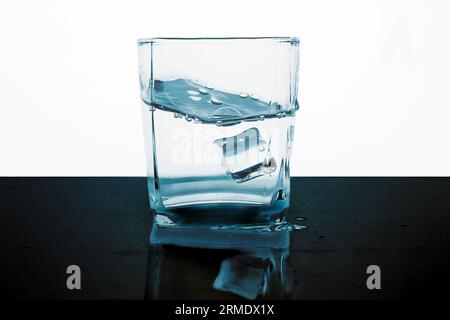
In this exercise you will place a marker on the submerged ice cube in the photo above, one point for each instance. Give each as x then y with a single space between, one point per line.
266 167
246 155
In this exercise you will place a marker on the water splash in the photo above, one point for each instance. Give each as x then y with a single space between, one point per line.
183 96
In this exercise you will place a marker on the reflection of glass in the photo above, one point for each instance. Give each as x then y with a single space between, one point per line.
187 273
219 124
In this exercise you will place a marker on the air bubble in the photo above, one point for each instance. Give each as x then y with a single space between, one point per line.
243 95
219 123
188 118
196 120
177 115
216 101
226 112
261 118
281 114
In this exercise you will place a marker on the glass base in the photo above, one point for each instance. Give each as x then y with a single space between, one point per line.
216 237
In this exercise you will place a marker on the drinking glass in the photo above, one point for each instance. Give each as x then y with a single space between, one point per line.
218 118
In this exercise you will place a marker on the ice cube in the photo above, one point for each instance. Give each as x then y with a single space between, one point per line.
244 275
246 155
266 167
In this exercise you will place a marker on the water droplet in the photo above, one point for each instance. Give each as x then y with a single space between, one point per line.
254 97
195 98
210 87
188 118
196 120
193 93
281 114
243 95
202 91
177 115
298 227
261 118
219 123
216 101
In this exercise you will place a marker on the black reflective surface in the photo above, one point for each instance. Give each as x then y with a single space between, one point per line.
103 224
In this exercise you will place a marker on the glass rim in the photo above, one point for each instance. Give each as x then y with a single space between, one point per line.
142 41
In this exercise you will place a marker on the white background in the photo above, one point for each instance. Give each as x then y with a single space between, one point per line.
374 81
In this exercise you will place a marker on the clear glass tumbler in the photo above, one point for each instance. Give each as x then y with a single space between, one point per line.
219 123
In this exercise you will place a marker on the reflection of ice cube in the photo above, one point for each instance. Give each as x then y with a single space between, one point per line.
246 156
244 275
